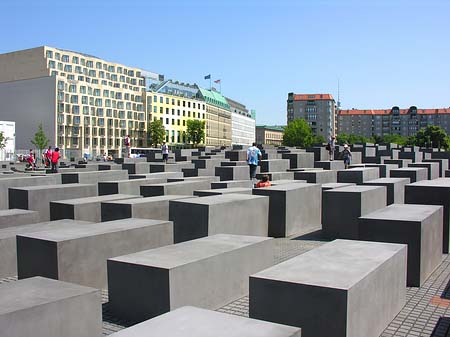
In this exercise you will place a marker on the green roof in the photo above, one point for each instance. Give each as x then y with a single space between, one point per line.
214 98
271 127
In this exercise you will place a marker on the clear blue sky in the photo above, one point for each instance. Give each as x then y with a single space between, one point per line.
384 52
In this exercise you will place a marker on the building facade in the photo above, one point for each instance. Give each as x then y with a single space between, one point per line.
404 122
242 124
319 111
85 104
8 129
271 135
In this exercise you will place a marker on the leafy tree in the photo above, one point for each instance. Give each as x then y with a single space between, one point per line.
397 139
344 138
195 131
40 140
298 133
3 140
319 139
431 136
157 132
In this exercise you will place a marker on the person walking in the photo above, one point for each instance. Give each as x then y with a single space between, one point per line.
48 156
165 151
30 160
346 156
55 159
330 147
126 142
253 156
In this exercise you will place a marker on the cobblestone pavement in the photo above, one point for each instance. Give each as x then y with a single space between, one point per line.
426 313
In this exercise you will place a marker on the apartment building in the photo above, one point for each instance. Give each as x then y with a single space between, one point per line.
8 129
85 104
319 111
242 124
269 134
404 122
174 103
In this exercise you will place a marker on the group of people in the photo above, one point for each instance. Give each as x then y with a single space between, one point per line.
345 155
52 158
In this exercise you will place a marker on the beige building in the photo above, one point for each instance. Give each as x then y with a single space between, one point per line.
85 104
272 135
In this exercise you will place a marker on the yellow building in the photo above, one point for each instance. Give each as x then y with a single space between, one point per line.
86 104
266 134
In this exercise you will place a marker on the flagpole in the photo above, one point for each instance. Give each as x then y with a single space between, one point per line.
210 86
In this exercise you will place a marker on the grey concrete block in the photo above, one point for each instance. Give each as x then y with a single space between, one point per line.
443 165
146 208
192 321
286 181
320 153
228 213
273 176
232 172
330 186
384 168
128 186
41 307
395 188
22 181
415 156
400 162
432 169
413 173
17 217
293 208
169 167
233 163
358 175
38 198
156 175
341 289
220 191
93 177
210 179
176 188
317 176
432 192
208 273
342 207
246 183
136 168
299 159
418 226
236 155
79 254
8 258
87 209
330 165
274 165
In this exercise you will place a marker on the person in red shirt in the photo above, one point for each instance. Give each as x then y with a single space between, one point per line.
30 160
265 182
48 156
55 159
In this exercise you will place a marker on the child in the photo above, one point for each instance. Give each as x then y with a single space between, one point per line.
55 159
264 182
346 155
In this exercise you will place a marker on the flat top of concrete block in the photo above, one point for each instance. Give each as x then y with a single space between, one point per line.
286 181
403 212
71 233
409 169
287 187
174 183
330 186
180 254
150 199
440 182
35 291
387 181
196 322
15 211
226 190
88 200
48 187
355 189
41 226
220 199
316 171
339 264
107 172
360 169
229 181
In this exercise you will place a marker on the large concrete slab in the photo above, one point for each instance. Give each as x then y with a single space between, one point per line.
317 176
192 321
136 168
418 226
233 172
170 167
413 173
358 175
273 176
400 162
443 165
219 191
145 208
341 289
330 165
79 254
342 207
93 177
208 273
128 186
299 159
384 168
156 175
432 169
41 307
87 209
246 183
432 192
227 213
274 165
38 198
293 208
395 188
176 188
8 258
17 217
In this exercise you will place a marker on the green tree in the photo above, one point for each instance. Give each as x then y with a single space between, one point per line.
431 136
40 140
397 139
319 139
157 132
2 140
344 138
298 133
195 131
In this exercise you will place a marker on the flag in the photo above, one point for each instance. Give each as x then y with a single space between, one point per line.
217 81
208 77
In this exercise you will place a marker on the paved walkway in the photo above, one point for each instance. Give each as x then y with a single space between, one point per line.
426 313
